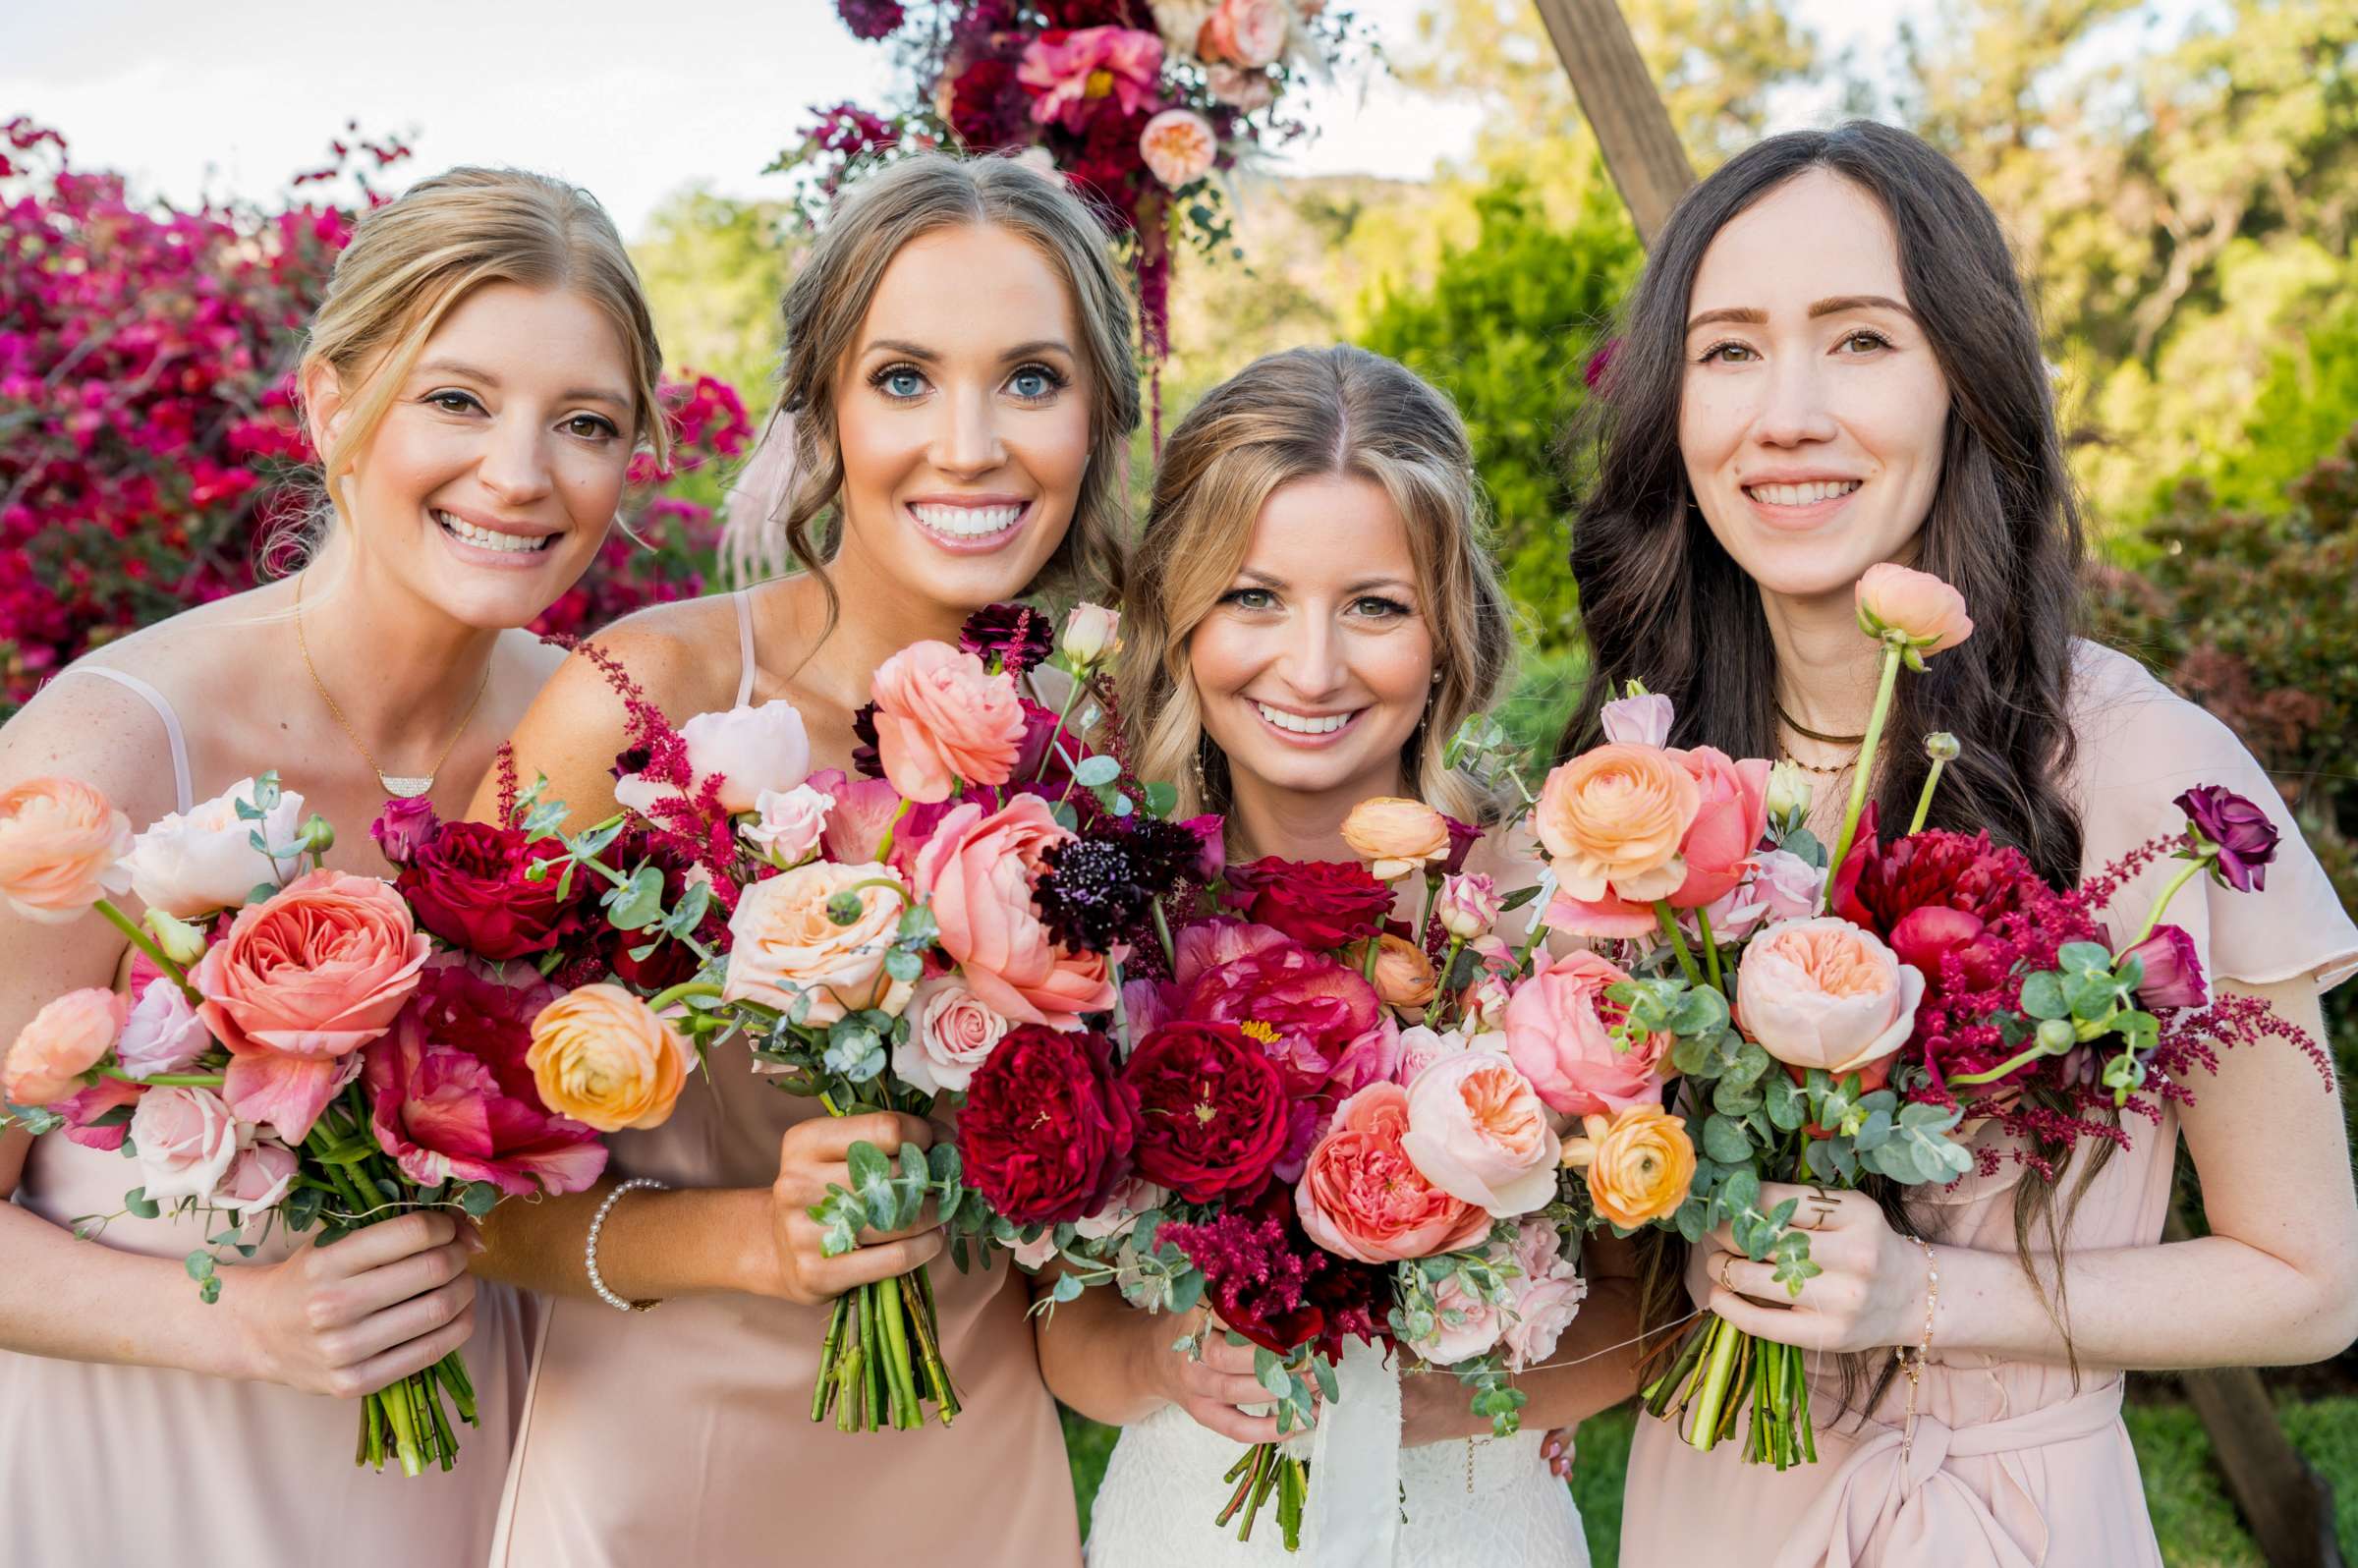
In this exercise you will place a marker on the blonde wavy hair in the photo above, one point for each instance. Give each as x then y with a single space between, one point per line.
1302 415
414 259
793 511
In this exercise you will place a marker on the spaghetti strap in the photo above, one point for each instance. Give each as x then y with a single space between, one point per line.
745 648
163 711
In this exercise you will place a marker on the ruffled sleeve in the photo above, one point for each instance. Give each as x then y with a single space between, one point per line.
2139 746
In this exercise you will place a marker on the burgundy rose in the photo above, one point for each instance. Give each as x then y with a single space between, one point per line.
466 886
1047 1127
2245 837
1463 836
2173 969
404 827
450 1095
870 20
1212 1111
1318 1020
1931 932
1879 883
1321 904
989 108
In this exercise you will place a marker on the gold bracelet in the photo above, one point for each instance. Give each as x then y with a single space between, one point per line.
1915 1369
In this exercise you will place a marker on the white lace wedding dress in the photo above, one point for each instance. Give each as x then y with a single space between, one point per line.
1467 1503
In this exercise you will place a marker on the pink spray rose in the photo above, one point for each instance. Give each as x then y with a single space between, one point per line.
1360 1197
1643 720
788 824
258 1179
1559 1032
162 1034
62 1041
1821 992
185 1138
1544 1301
942 718
299 983
1727 827
1477 1130
1468 904
950 1035
1463 1326
977 873
1782 887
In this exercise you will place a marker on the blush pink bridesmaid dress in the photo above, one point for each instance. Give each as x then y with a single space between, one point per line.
123 1465
683 1434
2011 1465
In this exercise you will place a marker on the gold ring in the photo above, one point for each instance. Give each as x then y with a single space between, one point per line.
1727 1260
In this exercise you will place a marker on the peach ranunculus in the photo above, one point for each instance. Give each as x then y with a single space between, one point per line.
942 717
1919 606
185 1138
1179 146
194 861
1640 1164
784 946
62 845
1728 823
302 982
1404 976
1478 1131
1398 836
1559 1032
602 1056
62 1041
1823 992
976 872
1360 1197
1611 821
950 1036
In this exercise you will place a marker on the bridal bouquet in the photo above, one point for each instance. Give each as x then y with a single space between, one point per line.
954 912
305 1047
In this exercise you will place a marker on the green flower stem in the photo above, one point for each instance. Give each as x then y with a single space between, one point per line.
1890 683
145 943
1678 941
1924 801
681 992
1433 890
1991 1075
166 1079
828 1350
1711 950
1163 933
2187 873
884 844
1711 1406
1056 731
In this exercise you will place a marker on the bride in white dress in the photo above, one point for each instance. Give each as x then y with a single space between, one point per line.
1311 613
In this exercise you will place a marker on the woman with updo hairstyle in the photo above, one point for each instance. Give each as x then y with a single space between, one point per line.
474 382
959 393
1830 363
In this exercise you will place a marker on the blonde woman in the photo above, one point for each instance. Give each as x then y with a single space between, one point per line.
960 391
476 379
1312 612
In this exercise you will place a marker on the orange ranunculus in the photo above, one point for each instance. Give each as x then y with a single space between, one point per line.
1612 819
1640 1164
785 946
64 1040
1398 836
61 844
602 1056
1918 605
1404 976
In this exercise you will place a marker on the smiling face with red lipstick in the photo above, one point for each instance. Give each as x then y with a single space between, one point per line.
1814 411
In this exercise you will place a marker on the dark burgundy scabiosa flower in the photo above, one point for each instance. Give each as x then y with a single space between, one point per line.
1319 903
1213 1110
867 760
1011 636
2245 838
1091 895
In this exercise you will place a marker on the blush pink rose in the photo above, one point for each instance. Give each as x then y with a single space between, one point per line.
950 1035
976 872
942 718
1727 827
201 860
1823 992
1917 604
162 1034
788 824
1468 904
1360 1197
1782 887
258 1179
62 1041
1559 1032
749 749
62 845
1541 1303
1463 1326
1641 721
1178 147
786 950
186 1138
863 809
302 982
1478 1131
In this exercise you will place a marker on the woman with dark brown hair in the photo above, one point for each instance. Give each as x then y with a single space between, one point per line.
1830 363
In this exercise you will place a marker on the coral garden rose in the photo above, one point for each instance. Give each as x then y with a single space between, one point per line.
1047 1127
601 1056
300 981
950 1033
1319 903
976 872
941 718
162 1034
191 863
785 946
1559 1032
62 1041
186 1138
1821 992
1362 1198
1478 1131
61 849
1730 820
1398 836
1612 819
1213 1110
1917 605
1640 1164
1178 147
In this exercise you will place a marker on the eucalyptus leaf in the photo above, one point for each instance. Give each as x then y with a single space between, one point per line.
1094 771
139 1204
2043 995
1724 1140
1783 1100
1162 798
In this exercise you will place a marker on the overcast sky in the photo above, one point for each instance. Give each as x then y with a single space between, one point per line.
631 100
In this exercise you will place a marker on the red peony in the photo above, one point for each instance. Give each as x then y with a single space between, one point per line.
1212 1111
466 886
1321 904
451 1097
1047 1127
1879 883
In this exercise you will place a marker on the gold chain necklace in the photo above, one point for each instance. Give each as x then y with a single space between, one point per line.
400 785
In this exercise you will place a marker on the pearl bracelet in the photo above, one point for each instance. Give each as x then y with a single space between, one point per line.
589 1248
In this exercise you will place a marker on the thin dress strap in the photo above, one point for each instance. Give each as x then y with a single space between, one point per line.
163 711
745 648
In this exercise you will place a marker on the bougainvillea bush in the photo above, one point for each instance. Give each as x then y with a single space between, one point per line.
150 455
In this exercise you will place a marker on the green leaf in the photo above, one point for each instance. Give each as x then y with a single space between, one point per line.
1724 1140
139 1204
1274 1378
199 1266
1734 1097
871 1170
689 913
1518 898
1065 816
638 904
1094 771
1067 1287
1162 798
2043 995
903 965
478 1199
1783 1100
2086 958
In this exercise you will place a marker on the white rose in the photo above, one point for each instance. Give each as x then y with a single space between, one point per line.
789 824
161 1034
950 1035
204 859
185 1138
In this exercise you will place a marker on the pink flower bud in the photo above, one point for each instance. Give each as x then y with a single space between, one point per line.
1468 904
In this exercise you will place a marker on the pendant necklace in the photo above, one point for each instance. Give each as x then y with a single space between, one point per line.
401 786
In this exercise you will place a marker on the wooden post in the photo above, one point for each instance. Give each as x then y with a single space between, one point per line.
1618 96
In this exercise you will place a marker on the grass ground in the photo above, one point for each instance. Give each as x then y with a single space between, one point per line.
2197 1524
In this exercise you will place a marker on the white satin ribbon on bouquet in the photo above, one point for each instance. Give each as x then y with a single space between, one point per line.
1353 1520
